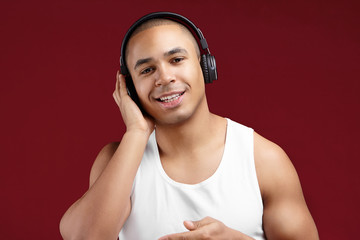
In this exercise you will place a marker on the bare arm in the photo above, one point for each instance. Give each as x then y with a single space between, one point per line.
101 212
286 215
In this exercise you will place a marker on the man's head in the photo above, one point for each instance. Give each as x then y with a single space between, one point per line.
208 63
163 58
161 22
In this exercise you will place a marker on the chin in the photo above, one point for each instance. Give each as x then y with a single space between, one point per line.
173 118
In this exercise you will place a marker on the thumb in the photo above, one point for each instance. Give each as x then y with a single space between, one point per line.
191 225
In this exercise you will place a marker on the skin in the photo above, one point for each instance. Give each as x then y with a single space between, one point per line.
180 128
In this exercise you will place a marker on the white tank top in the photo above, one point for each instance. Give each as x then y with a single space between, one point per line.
231 194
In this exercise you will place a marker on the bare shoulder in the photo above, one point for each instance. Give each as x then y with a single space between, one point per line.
268 154
266 150
273 167
286 215
102 160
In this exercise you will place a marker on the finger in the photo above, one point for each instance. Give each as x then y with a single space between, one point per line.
116 94
117 80
122 86
192 225
185 236
116 98
189 225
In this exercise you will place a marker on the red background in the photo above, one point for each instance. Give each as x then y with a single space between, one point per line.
289 69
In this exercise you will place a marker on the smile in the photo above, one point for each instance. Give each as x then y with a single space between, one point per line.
170 98
171 101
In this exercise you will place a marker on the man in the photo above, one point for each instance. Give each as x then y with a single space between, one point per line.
180 171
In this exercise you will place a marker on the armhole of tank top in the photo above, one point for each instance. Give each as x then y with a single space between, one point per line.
253 166
134 183
133 186
150 144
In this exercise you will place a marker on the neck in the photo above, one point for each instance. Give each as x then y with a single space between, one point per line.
189 135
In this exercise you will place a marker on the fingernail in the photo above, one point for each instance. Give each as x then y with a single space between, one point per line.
189 223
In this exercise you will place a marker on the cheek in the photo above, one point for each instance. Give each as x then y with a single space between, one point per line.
197 75
192 71
142 88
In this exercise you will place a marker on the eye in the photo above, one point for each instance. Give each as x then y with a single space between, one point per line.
146 70
177 59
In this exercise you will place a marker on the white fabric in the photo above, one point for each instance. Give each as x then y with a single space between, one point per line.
231 194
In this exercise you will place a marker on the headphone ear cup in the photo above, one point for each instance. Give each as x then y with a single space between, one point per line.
211 68
132 91
204 67
208 66
123 69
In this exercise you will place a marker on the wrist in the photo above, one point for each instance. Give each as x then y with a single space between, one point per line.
236 235
138 132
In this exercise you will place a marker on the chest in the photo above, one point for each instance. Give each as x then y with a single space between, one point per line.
227 191
193 168
160 204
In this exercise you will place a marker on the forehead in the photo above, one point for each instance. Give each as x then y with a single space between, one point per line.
157 40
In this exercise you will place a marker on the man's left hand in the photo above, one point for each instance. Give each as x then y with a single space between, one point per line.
206 228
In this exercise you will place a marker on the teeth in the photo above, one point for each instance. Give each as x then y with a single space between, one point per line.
170 98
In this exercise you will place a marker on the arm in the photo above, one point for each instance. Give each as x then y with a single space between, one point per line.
101 212
286 215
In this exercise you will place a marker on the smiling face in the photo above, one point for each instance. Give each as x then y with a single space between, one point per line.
164 64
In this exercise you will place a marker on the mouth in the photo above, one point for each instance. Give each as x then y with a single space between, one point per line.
170 98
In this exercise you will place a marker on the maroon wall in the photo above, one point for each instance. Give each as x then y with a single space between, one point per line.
289 69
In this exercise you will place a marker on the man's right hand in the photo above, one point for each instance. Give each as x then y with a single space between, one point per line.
130 112
111 178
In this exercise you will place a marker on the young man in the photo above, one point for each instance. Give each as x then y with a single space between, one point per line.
180 171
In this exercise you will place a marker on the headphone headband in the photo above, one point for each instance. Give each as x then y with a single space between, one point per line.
165 15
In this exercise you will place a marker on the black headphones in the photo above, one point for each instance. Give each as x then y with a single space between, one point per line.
208 64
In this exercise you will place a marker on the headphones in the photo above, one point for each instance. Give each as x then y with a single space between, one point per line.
207 61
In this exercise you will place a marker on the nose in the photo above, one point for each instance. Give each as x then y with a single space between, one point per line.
164 76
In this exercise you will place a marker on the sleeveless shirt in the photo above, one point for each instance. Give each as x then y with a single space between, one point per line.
159 205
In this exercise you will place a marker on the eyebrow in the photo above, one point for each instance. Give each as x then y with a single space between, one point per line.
175 50
142 61
166 54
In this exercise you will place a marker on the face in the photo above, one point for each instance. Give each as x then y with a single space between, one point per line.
166 72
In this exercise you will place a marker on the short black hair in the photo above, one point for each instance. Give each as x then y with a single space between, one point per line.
160 22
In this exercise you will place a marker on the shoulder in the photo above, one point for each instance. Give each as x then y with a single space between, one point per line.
286 215
102 160
273 167
267 152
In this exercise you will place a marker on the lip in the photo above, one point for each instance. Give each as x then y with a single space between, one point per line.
173 103
169 94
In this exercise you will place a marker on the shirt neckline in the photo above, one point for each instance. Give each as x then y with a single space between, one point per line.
212 178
